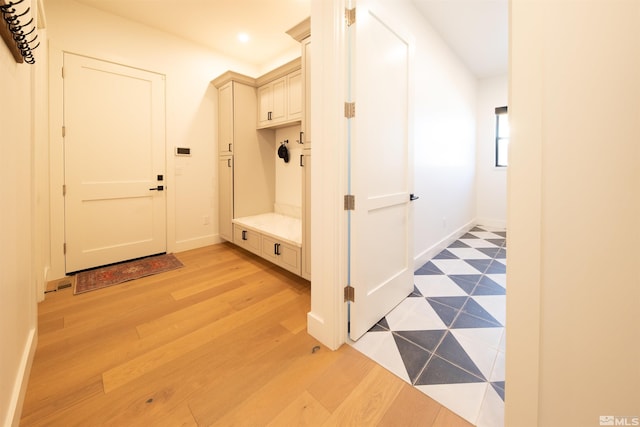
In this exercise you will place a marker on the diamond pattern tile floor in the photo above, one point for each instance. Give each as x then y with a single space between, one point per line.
447 337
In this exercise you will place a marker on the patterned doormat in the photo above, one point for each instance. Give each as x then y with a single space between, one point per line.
110 275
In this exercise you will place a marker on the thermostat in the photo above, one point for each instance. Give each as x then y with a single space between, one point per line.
183 151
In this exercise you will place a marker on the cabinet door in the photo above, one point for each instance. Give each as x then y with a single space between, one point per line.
247 239
225 119
306 214
294 96
305 126
282 254
269 249
279 107
289 258
265 104
225 197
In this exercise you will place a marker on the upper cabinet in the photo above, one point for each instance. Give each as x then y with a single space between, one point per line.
225 119
305 127
302 33
280 96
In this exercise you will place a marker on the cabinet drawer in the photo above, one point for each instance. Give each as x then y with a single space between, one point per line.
285 255
247 239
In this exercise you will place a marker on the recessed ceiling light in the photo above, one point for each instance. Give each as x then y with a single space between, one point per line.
243 37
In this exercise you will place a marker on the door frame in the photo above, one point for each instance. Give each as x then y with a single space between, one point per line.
56 162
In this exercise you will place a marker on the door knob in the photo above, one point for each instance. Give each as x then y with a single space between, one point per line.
158 188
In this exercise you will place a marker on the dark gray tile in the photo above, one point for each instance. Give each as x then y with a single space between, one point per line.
466 281
439 371
459 244
465 320
492 252
498 386
382 325
479 264
456 302
498 242
446 313
428 269
501 233
469 236
473 308
445 254
413 357
416 293
476 228
428 340
496 268
451 351
487 286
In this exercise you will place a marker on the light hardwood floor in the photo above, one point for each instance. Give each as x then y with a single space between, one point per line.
221 341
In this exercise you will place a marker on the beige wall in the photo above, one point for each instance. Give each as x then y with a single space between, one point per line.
20 245
573 335
191 111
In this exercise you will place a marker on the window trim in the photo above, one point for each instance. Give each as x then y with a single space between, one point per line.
499 111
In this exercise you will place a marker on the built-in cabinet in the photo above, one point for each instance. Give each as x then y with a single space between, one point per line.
252 114
280 100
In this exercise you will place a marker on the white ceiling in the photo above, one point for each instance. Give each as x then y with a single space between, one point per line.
475 29
217 23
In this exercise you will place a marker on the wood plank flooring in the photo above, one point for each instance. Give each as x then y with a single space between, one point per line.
220 342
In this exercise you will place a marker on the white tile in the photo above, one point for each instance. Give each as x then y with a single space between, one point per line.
468 253
454 266
381 348
496 305
437 285
492 410
483 355
497 373
486 235
414 314
463 399
490 337
479 243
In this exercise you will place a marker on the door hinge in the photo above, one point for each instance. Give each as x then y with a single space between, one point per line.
350 16
349 202
64 189
64 248
64 131
349 110
63 72
349 293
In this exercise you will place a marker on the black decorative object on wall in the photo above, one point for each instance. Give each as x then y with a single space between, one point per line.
18 30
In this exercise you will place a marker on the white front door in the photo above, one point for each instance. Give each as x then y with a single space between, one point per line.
114 153
381 172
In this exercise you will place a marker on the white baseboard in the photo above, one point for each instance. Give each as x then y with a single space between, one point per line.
434 250
14 410
195 243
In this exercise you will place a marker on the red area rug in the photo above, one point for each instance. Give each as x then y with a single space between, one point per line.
110 275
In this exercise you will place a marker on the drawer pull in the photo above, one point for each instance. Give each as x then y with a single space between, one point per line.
244 234
276 248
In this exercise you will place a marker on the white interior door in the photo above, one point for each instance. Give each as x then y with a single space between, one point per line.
114 151
381 172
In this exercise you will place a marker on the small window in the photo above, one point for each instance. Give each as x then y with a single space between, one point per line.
502 136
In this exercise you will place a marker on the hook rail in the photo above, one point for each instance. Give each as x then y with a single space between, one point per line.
16 34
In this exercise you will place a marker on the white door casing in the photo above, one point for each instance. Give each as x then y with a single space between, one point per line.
114 153
381 168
